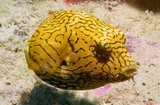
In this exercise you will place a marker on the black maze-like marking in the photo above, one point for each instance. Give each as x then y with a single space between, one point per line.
43 26
31 56
122 52
122 35
100 36
116 58
85 34
36 53
92 27
60 15
119 47
90 21
54 24
85 41
32 40
35 35
109 68
119 62
58 21
84 20
78 59
74 63
124 40
77 69
69 35
46 53
116 42
108 30
86 56
125 62
108 46
95 68
69 41
71 25
65 29
65 20
45 34
112 59
79 50
49 65
92 46
49 29
114 36
82 15
88 64
72 47
70 20
51 17
98 61
102 23
52 34
56 14
52 47
77 40
85 28
69 15
77 24
80 22
61 39
98 23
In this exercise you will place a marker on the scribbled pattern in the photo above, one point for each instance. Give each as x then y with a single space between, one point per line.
74 50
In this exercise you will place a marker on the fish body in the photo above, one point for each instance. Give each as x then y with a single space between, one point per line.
75 50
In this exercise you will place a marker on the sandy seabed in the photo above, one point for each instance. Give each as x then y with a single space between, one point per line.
20 86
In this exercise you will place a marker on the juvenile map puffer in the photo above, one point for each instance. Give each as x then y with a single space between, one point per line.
75 50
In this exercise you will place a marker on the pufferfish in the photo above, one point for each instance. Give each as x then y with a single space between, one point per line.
77 51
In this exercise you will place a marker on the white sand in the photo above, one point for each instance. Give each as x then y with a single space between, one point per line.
18 21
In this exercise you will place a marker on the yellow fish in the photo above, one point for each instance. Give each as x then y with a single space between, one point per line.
75 50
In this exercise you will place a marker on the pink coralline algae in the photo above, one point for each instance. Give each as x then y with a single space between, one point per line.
141 46
99 92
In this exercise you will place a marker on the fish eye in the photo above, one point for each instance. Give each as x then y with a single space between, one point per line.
102 51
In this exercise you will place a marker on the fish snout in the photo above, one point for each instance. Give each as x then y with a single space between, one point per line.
129 72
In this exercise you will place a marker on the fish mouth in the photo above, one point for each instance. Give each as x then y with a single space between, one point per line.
129 71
